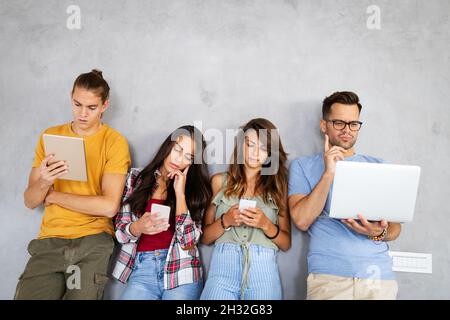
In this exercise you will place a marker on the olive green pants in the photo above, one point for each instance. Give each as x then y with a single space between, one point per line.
70 269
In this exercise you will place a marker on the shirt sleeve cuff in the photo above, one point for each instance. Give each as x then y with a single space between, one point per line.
129 234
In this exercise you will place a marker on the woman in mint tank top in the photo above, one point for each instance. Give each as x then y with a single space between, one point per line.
246 242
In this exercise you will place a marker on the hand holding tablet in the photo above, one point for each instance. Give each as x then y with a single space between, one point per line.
50 170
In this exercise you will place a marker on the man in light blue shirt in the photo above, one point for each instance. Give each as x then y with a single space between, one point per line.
347 259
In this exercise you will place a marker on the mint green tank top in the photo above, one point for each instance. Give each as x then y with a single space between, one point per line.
245 235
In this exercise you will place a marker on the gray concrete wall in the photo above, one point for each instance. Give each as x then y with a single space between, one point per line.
225 62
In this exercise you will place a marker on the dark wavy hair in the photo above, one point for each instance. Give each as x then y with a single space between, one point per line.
198 188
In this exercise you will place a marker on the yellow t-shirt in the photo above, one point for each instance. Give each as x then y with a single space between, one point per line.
106 152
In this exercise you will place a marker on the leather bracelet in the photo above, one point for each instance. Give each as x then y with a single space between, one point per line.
276 234
223 224
379 237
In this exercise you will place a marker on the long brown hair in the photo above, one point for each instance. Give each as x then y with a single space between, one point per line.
275 184
198 188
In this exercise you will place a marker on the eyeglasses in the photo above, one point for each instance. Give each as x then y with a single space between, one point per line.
340 125
179 149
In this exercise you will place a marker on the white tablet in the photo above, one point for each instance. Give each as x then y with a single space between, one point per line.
70 149
376 191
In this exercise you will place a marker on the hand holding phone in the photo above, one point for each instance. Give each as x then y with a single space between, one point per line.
245 204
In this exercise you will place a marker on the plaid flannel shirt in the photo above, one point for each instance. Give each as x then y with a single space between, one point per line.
182 265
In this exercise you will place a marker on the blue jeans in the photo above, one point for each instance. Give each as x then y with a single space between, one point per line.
146 281
227 269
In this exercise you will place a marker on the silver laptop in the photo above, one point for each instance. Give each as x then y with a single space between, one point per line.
377 191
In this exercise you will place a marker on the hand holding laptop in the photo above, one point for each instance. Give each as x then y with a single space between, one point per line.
363 226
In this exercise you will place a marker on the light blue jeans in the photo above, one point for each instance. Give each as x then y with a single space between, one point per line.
225 277
146 281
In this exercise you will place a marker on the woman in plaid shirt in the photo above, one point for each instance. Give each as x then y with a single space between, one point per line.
159 259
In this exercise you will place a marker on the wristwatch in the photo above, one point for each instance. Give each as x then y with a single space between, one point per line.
223 224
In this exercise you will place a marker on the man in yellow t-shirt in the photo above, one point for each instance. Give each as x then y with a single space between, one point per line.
69 259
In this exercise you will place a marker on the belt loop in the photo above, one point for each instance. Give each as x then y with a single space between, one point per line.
138 257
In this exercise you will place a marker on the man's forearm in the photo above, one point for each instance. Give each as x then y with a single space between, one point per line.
91 205
394 230
307 209
35 195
